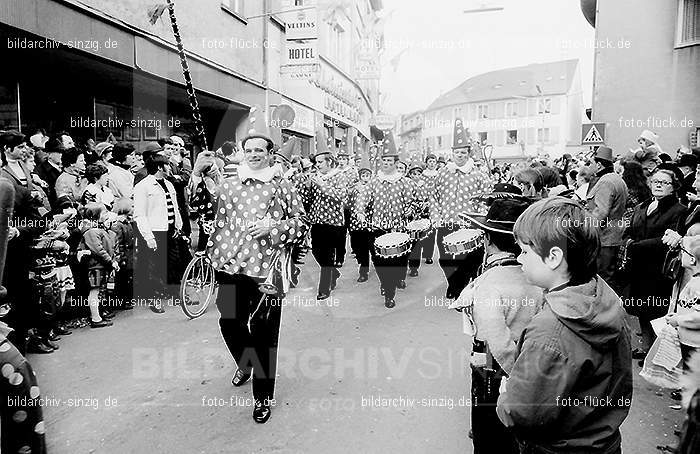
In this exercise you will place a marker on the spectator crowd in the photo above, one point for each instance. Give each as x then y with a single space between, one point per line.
87 218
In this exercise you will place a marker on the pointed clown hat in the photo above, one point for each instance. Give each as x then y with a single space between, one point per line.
323 145
344 146
389 146
257 127
364 165
460 138
290 148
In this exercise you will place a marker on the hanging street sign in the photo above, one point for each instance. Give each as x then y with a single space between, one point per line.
301 24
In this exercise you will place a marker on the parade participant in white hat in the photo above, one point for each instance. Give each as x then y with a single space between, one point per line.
326 193
455 186
258 216
394 203
360 233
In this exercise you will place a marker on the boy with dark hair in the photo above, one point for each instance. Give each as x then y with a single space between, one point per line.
570 388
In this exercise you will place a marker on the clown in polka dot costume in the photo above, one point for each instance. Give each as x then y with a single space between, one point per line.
455 185
22 421
256 217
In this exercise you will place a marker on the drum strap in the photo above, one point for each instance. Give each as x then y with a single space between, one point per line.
509 260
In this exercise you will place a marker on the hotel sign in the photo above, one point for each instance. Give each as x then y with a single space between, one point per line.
301 53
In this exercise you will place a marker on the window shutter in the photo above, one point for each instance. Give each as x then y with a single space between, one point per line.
690 22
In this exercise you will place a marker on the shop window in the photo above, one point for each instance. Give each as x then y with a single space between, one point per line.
8 106
512 136
688 32
483 137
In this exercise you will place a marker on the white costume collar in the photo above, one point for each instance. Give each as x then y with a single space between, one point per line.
430 173
330 174
389 178
466 168
264 175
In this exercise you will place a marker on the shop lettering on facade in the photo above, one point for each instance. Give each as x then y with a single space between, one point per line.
340 100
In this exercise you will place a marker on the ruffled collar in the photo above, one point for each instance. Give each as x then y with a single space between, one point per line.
384 177
330 174
466 168
430 173
264 175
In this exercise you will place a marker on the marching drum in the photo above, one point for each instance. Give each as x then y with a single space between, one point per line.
463 241
393 244
418 229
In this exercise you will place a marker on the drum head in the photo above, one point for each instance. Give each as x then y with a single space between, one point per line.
392 239
463 236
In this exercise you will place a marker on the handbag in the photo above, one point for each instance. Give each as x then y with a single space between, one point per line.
622 257
672 264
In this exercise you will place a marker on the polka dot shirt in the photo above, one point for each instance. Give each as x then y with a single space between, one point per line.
452 192
241 203
358 190
326 202
423 190
393 203
22 410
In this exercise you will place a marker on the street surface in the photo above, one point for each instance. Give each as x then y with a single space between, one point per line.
161 383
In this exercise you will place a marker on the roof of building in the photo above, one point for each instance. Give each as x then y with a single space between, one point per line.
553 78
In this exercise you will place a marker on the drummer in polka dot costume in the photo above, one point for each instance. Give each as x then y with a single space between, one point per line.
327 193
393 201
21 416
360 234
422 189
257 215
455 186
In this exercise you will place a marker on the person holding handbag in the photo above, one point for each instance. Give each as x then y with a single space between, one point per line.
649 288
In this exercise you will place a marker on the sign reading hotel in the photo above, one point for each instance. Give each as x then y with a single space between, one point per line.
301 53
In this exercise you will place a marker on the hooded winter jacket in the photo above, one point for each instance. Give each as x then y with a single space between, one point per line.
571 386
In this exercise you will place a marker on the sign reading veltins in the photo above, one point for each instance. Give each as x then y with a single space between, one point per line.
301 53
301 24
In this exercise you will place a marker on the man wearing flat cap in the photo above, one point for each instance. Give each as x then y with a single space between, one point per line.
605 201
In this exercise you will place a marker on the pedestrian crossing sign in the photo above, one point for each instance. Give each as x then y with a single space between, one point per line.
593 134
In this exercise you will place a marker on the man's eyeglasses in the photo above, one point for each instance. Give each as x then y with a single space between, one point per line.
660 182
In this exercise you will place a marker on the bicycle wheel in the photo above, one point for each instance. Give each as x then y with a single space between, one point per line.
198 287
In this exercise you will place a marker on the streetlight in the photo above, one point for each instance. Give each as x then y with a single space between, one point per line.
483 9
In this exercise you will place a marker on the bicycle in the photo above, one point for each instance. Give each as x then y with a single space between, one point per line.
198 287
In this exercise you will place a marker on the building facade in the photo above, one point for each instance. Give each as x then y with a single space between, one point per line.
98 67
520 112
411 136
646 70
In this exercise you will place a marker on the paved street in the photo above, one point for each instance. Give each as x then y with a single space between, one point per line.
160 383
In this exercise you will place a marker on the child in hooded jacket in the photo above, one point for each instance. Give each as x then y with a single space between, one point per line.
570 388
